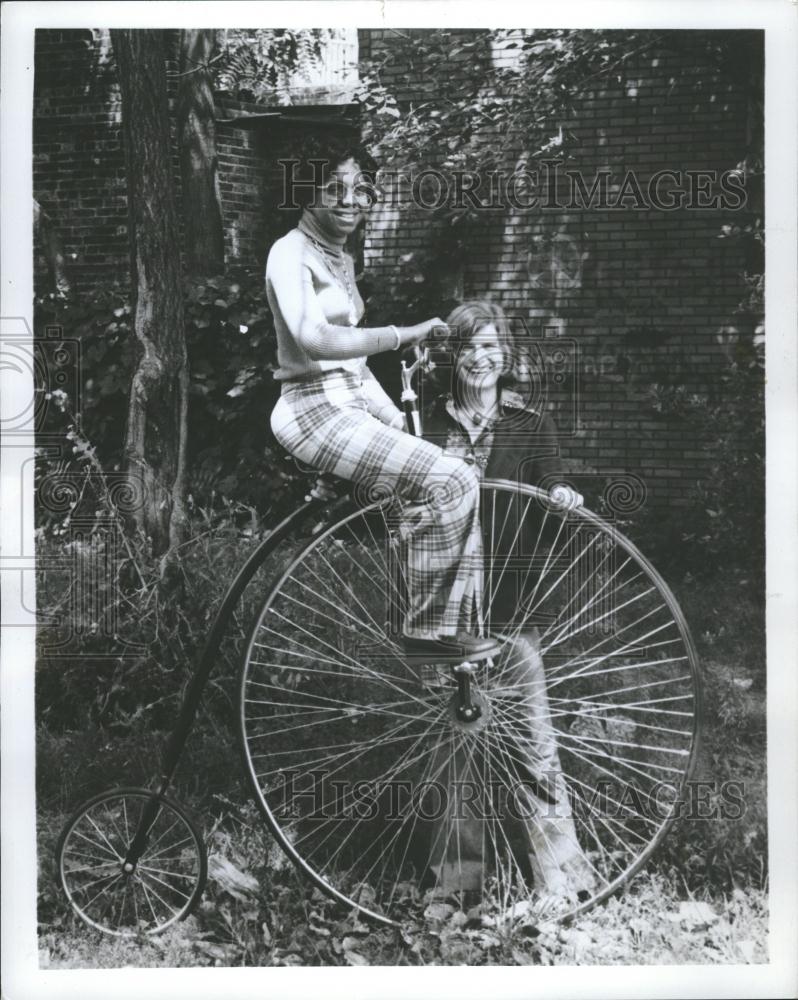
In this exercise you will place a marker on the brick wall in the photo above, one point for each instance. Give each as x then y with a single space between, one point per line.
78 161
251 176
618 299
244 179
79 165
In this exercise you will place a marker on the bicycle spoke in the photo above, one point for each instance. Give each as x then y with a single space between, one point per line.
364 879
111 847
346 587
153 877
148 880
105 895
151 855
371 673
594 697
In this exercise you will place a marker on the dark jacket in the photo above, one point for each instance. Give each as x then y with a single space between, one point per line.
524 447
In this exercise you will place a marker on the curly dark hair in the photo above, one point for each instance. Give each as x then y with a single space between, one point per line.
316 156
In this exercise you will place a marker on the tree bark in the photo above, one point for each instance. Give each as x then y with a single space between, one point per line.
202 214
155 442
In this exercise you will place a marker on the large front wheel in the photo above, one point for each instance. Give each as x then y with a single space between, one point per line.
560 789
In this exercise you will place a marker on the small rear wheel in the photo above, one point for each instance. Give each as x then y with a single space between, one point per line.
117 898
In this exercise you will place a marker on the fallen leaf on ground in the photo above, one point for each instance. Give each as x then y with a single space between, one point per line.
217 952
484 939
519 911
547 928
237 883
640 925
696 914
289 959
438 911
578 941
747 949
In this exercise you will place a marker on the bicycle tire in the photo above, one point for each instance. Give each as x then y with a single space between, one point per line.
313 693
148 899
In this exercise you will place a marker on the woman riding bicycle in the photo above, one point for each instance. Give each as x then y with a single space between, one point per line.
334 416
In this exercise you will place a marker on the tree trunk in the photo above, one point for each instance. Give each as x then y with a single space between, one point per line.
156 431
202 214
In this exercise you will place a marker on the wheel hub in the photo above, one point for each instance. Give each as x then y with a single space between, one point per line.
473 724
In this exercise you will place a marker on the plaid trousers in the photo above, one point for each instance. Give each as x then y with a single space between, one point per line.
324 422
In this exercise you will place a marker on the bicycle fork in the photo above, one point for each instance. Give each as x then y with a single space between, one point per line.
466 708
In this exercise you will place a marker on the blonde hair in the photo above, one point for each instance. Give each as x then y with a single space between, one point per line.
466 320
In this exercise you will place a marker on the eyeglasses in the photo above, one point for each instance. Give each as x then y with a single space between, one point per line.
335 193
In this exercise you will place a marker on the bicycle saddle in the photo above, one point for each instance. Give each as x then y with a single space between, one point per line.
450 648
324 485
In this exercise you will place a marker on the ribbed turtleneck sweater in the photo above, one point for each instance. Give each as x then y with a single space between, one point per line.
311 306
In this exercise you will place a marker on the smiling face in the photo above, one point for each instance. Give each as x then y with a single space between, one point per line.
481 361
341 203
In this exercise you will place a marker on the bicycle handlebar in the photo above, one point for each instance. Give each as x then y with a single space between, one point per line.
409 396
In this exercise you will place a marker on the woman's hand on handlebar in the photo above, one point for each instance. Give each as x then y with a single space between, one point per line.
428 330
564 497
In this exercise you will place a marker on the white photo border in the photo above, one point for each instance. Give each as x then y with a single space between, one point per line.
23 978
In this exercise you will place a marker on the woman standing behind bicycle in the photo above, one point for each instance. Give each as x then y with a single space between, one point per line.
482 420
334 416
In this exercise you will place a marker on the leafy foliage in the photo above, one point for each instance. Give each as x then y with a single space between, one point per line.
101 321
231 348
727 525
522 107
724 530
258 64
232 357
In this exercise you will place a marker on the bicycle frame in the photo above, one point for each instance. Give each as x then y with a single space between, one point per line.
465 707
191 701
193 695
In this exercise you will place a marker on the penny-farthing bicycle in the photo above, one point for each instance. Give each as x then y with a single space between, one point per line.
372 771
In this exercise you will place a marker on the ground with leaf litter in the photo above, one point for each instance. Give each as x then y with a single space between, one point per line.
702 899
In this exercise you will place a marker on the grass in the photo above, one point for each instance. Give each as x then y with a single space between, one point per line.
650 924
701 900
661 918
